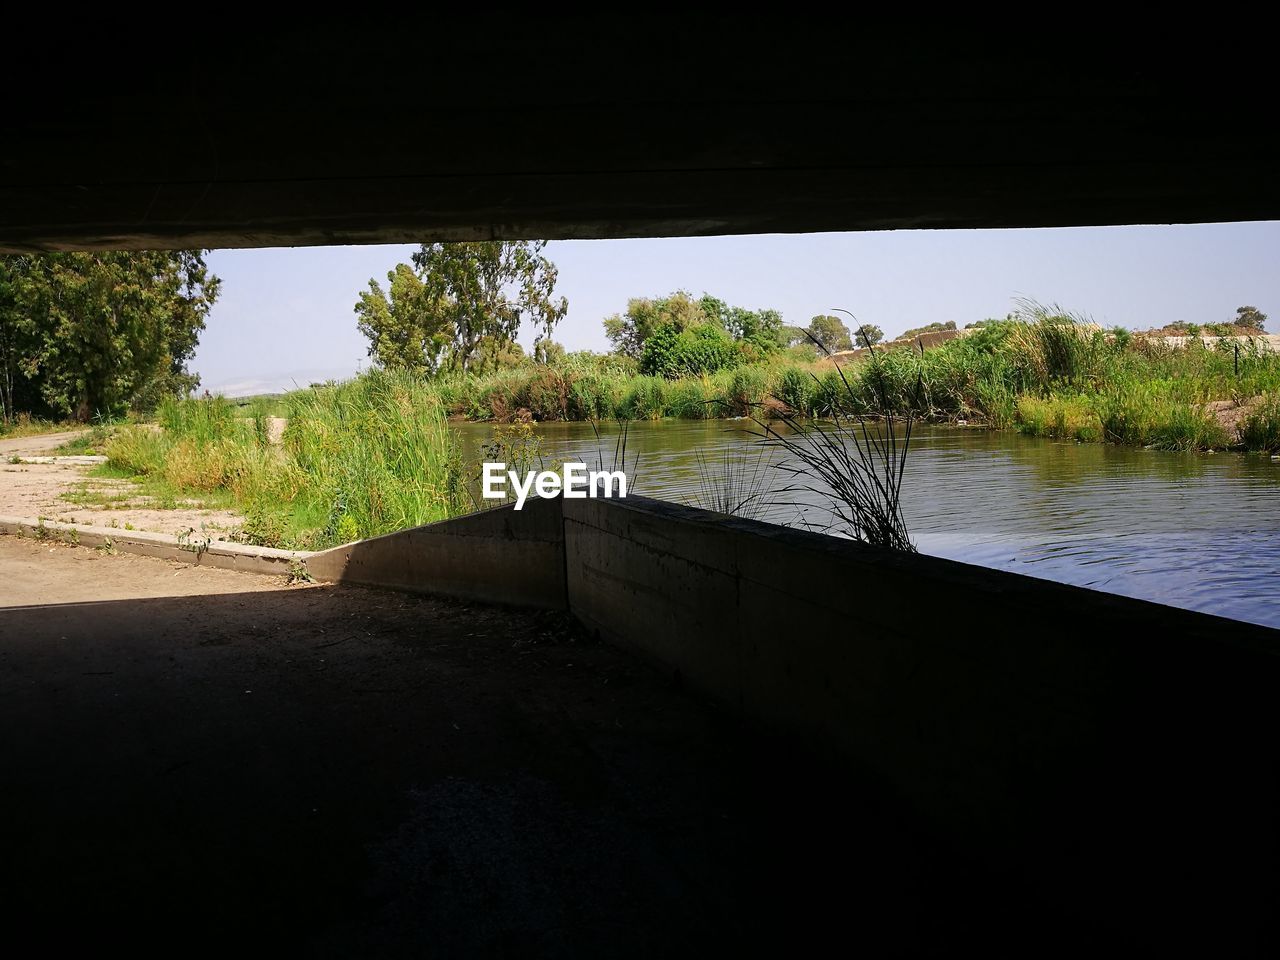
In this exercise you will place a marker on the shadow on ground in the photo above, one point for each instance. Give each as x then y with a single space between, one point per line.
347 771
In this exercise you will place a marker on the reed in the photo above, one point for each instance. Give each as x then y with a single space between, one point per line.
854 464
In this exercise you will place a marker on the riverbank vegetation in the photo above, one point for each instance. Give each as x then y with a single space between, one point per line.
356 459
1042 371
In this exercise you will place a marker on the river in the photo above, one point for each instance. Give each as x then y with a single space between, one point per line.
1193 530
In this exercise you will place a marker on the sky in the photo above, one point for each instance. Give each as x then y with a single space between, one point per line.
286 315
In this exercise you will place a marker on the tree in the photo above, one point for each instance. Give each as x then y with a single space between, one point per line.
1251 317
487 289
868 335
629 331
763 328
830 334
406 329
86 333
698 350
794 335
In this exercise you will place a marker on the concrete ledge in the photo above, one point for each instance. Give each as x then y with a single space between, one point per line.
1032 721
216 553
500 556
85 460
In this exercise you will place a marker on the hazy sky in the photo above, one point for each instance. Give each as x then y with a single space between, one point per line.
286 314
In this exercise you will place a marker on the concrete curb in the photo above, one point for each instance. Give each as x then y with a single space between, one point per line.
216 553
86 460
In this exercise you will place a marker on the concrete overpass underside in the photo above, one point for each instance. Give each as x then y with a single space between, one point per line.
556 127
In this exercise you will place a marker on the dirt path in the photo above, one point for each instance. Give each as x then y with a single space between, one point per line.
44 443
68 493
34 573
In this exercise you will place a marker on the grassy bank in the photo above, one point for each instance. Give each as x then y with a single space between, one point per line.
1067 380
357 459
1046 375
375 454
25 425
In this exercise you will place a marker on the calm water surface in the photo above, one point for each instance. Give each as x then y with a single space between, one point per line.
1200 531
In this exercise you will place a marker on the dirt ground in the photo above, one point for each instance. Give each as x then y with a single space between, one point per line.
35 490
196 756
38 445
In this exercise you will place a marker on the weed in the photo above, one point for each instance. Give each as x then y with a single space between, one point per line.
298 573
734 484
856 466
1261 428
189 541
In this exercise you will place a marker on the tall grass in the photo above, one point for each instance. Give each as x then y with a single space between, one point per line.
734 484
856 465
1261 428
377 456
358 459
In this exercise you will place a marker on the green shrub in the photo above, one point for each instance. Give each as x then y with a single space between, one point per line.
797 389
1162 414
702 349
1261 428
645 399
594 396
746 391
199 420
1063 417
690 399
546 393
139 451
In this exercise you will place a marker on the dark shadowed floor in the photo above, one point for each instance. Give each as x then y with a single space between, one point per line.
345 772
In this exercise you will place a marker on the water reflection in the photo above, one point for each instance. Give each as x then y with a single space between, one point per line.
1200 531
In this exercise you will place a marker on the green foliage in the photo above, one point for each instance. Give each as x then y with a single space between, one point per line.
693 399
645 399
798 390
461 304
830 334
1261 428
138 451
1152 414
91 334
761 330
867 335
1251 317
375 449
406 329
697 350
358 459
679 311
748 387
1067 418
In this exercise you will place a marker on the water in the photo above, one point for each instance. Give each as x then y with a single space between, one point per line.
1200 531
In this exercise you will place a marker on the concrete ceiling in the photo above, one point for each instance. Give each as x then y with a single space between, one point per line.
559 127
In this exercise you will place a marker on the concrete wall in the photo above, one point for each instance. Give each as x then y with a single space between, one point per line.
1054 728
501 556
1047 725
